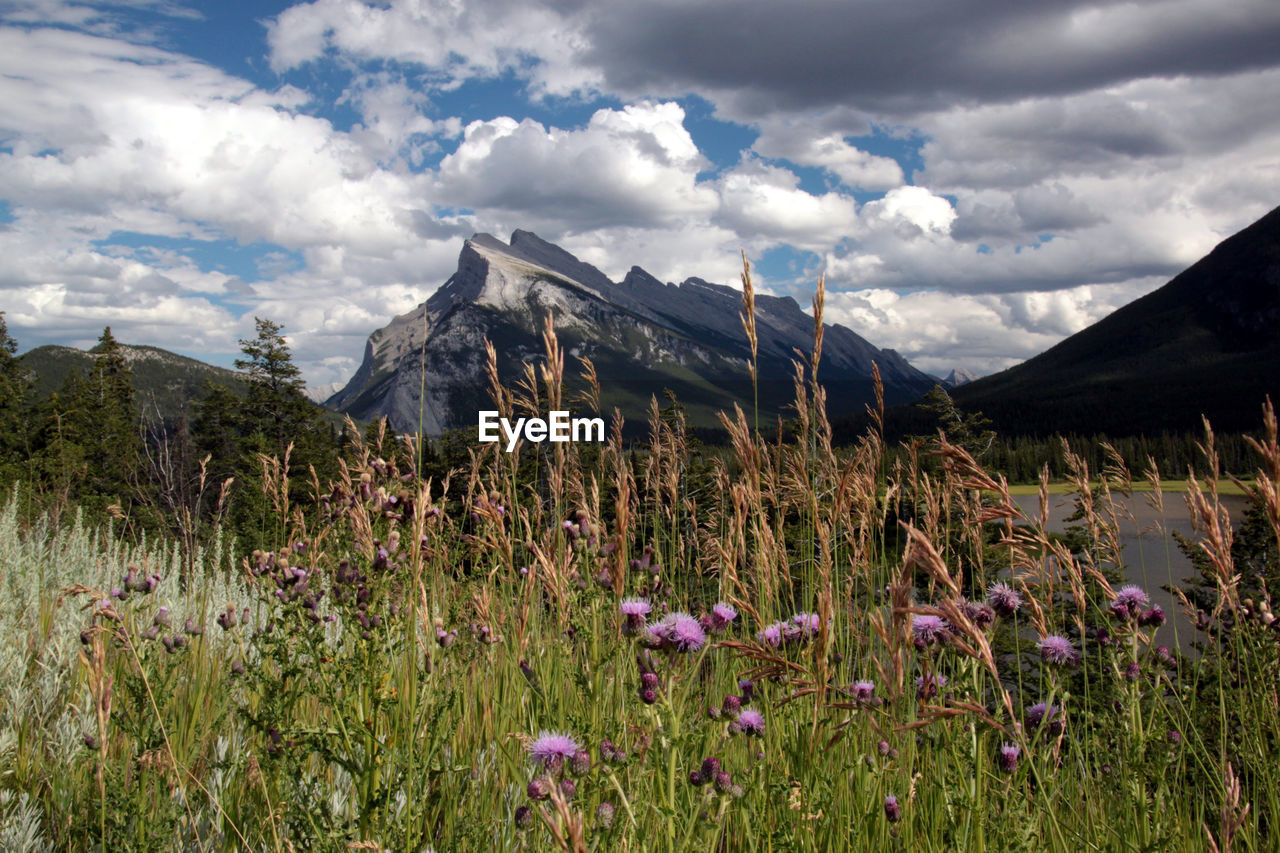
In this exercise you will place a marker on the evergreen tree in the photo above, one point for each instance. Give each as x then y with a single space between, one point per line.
60 463
275 405
15 406
273 414
112 440
971 431
87 447
217 430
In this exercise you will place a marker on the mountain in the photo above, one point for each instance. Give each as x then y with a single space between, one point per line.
957 377
643 336
165 382
319 393
1205 343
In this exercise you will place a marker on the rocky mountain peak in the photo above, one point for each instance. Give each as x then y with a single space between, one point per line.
644 337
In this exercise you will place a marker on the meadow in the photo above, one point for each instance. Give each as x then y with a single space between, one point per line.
570 647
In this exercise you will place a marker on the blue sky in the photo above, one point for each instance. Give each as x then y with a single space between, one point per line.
974 179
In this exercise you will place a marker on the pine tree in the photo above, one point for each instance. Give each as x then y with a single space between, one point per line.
272 415
971 431
60 461
109 424
275 404
15 406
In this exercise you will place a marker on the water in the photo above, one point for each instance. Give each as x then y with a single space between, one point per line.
1152 558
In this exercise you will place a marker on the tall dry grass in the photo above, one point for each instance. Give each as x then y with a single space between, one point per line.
915 663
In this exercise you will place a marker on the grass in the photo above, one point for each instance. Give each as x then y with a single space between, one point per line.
415 665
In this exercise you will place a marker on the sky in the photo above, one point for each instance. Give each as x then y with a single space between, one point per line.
975 179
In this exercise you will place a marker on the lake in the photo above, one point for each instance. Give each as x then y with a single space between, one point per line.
1151 554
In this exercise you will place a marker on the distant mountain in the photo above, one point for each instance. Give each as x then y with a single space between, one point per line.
642 335
1205 343
958 377
319 393
166 383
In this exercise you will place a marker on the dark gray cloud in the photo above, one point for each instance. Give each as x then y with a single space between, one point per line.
919 55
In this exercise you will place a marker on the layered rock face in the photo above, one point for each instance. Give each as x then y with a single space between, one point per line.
426 369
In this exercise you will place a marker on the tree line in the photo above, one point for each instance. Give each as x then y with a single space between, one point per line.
87 446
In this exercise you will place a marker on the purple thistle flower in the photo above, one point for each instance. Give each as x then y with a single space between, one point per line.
710 767
731 705
1152 618
635 610
929 630
863 691
1004 599
227 619
604 814
771 635
550 746
982 615
751 722
539 788
568 788
892 810
1133 672
927 688
721 616
723 781
681 632
580 765
649 681
1058 651
524 817
808 623
610 754
1042 714
1009 753
1132 596
1129 603
635 607
748 689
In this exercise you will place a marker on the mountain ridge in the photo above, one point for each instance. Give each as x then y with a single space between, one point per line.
644 337
1204 343
166 382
